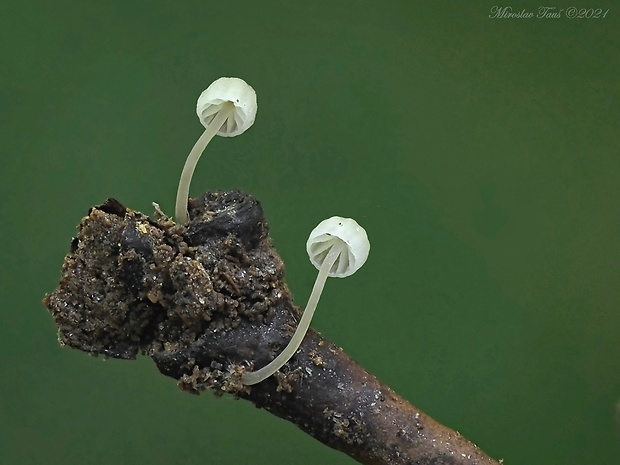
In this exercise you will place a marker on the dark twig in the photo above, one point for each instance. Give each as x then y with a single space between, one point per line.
208 301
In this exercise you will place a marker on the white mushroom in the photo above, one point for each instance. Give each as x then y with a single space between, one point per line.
226 108
337 247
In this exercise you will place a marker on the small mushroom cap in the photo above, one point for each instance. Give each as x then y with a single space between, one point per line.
233 90
345 234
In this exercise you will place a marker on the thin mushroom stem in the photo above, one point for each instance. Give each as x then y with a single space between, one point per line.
211 130
265 372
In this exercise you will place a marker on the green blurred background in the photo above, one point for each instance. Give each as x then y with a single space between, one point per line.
481 155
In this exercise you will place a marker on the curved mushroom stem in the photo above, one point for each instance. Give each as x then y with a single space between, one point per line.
257 376
211 130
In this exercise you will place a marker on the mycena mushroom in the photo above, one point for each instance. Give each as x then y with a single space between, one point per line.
337 247
226 108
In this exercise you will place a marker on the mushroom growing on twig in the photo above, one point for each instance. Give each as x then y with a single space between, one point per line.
226 108
131 285
337 247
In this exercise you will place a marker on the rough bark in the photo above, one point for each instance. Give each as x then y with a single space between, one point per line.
206 302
